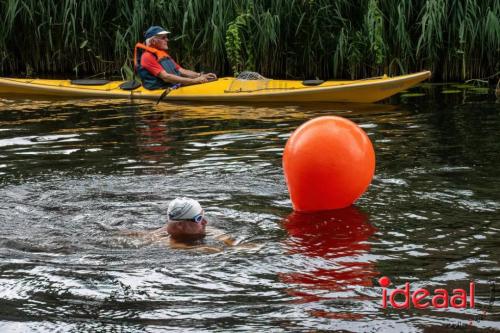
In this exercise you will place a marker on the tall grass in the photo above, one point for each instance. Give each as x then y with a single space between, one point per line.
457 39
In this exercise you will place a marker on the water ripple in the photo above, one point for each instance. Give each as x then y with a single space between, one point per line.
76 175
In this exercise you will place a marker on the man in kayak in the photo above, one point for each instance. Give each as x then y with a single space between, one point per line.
156 67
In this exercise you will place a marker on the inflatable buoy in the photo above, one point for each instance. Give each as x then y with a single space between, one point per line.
328 163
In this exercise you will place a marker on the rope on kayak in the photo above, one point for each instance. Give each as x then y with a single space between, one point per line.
373 78
248 82
16 80
89 82
252 81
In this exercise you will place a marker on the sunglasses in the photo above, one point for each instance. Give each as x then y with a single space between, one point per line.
164 37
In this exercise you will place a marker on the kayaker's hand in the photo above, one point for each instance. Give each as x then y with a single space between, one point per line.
200 79
211 76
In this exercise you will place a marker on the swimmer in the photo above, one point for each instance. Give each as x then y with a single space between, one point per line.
186 224
186 220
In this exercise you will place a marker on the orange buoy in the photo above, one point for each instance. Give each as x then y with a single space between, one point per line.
328 163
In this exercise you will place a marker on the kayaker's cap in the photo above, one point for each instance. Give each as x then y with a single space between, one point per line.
185 209
154 31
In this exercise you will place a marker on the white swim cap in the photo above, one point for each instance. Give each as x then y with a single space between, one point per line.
185 209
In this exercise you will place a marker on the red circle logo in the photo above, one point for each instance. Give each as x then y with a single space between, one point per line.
384 281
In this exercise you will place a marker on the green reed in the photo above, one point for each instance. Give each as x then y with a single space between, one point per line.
456 39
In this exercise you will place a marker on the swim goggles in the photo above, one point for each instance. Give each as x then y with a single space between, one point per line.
198 218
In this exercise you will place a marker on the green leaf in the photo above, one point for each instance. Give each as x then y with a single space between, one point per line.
463 86
480 90
409 95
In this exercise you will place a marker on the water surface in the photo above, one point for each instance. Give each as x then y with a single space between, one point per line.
74 174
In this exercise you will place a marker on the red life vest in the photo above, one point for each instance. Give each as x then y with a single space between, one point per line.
150 81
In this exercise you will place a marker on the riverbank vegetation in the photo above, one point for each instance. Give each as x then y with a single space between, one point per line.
456 39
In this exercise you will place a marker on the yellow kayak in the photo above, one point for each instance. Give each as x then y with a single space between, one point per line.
227 89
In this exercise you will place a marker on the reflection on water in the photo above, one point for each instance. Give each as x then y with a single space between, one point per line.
152 137
74 173
339 239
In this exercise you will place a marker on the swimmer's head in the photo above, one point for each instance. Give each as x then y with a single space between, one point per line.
185 209
186 219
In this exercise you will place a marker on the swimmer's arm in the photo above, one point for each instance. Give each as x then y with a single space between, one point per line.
162 232
221 236
230 241
133 233
180 245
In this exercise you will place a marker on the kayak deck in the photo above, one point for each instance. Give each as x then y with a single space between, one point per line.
228 89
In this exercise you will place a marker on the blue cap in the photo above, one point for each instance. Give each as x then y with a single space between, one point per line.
155 30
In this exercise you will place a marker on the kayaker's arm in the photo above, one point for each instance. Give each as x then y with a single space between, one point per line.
193 74
180 79
189 73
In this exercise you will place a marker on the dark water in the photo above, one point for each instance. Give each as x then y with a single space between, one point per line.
73 174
